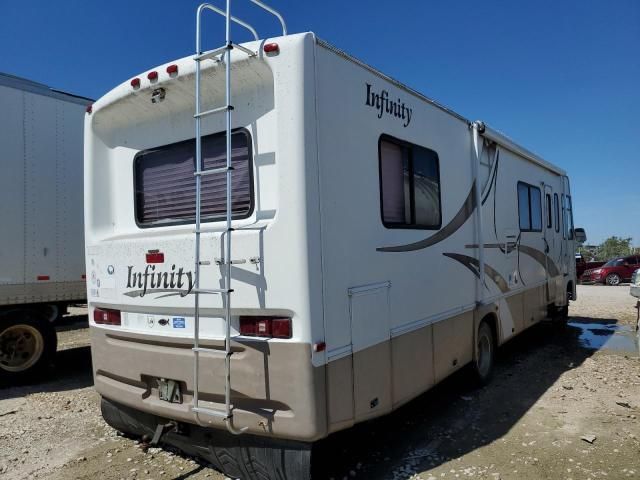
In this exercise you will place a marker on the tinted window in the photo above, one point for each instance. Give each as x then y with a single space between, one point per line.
556 208
549 211
409 184
618 262
529 208
165 184
569 212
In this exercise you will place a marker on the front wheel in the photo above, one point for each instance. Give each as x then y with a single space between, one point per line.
613 279
27 345
482 365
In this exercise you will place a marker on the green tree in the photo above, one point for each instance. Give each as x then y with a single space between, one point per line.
614 247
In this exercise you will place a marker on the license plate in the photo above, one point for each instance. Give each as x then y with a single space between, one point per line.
169 391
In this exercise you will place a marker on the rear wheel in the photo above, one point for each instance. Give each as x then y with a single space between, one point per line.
27 345
247 457
482 365
613 279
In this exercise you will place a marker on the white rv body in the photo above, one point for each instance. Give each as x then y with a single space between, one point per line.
41 200
378 314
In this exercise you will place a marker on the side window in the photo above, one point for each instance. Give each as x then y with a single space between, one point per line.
556 208
564 217
409 185
529 207
569 211
567 217
549 211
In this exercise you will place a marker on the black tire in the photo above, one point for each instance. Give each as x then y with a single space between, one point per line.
484 358
28 344
246 457
613 280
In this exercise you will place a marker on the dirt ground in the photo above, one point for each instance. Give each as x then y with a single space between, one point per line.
564 404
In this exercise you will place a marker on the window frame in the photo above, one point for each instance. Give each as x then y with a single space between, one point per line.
548 205
407 226
203 219
529 187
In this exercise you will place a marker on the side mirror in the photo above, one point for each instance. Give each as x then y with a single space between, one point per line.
580 235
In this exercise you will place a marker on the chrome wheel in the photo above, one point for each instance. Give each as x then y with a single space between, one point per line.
21 346
613 279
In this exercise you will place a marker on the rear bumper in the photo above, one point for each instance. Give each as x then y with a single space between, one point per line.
276 391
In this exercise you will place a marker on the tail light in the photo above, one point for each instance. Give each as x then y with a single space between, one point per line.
103 316
270 327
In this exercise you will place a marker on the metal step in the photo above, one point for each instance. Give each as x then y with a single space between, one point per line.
214 351
212 412
213 171
213 111
212 291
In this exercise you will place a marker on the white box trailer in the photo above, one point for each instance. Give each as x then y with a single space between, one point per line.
369 243
41 210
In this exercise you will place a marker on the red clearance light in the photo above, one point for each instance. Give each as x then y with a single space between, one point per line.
135 83
84 277
89 109
154 256
319 347
152 76
172 69
43 277
269 327
103 316
271 48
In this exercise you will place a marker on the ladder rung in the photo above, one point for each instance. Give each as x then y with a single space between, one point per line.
220 261
213 111
219 291
213 171
210 54
204 262
211 350
213 412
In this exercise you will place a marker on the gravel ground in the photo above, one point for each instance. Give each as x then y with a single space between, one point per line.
555 409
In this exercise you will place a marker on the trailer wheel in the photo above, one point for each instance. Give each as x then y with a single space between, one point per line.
482 365
27 345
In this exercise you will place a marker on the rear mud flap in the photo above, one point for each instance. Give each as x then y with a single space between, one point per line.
247 457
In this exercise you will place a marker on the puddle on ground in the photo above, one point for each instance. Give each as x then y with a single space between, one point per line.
599 336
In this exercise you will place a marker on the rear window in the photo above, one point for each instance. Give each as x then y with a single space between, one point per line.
165 187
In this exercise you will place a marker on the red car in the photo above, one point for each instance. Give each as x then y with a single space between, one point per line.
613 272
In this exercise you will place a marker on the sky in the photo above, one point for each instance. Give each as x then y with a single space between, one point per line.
561 78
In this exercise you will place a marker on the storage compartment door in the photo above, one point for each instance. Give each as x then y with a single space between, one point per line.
370 335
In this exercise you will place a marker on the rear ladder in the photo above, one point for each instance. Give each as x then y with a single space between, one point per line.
220 55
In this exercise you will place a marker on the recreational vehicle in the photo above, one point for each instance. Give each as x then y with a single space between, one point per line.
283 242
41 238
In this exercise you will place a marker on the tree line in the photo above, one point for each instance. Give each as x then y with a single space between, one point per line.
610 248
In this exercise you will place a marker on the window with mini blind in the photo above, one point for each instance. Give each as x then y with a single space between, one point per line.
165 185
409 185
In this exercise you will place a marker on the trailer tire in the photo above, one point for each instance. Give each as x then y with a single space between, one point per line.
28 344
482 364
